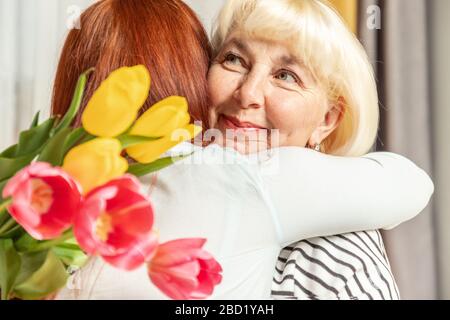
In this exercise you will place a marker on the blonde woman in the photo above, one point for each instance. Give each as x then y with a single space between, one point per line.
290 69
293 65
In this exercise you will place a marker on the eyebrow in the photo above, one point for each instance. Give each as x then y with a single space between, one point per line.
290 60
285 59
239 44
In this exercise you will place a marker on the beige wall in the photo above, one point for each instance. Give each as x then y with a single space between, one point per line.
206 9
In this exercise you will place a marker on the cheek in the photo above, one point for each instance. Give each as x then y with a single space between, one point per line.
295 116
292 114
220 85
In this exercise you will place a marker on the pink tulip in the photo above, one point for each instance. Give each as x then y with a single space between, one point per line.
45 200
115 222
183 270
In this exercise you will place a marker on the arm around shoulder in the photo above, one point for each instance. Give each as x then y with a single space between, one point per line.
315 194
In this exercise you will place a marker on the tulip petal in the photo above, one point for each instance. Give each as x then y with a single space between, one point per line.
168 287
29 220
45 200
116 221
148 152
162 118
205 287
63 209
126 181
211 264
179 271
178 251
183 277
137 254
115 104
36 169
84 224
95 162
138 218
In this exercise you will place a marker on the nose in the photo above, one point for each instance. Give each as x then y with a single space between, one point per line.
250 93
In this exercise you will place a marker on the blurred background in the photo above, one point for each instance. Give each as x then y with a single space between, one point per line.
409 45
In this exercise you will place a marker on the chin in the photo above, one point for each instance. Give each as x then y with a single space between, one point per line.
244 147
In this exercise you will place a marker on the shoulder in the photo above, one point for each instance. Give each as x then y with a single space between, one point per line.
204 166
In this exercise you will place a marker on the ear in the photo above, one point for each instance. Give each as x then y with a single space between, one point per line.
330 122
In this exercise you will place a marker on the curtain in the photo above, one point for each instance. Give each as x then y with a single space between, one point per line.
400 52
348 9
407 130
439 53
413 95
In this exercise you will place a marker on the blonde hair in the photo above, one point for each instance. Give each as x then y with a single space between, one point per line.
316 34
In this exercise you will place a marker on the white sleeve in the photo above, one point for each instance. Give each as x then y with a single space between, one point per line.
314 194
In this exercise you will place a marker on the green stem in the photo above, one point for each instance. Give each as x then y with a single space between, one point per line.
131 140
7 226
51 243
4 204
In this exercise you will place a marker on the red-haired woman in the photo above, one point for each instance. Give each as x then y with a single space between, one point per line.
244 215
165 36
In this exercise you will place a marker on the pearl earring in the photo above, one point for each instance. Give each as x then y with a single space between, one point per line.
317 147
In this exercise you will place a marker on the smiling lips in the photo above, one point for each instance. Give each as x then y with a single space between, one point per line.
231 122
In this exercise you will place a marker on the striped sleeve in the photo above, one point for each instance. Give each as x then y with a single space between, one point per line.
352 266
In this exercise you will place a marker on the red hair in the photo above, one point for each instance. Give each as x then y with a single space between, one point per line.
165 36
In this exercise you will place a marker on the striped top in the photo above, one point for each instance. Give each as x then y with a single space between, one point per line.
346 266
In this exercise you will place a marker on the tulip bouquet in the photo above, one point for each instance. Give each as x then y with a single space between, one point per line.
67 193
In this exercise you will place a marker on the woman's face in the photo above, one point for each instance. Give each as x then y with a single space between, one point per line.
256 86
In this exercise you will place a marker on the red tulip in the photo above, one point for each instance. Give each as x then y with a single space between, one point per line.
45 200
183 270
115 221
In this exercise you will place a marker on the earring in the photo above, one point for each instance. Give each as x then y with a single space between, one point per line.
316 147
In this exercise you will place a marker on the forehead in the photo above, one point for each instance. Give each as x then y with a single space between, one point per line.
256 45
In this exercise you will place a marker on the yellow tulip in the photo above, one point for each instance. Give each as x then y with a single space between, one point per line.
148 152
115 104
162 118
95 162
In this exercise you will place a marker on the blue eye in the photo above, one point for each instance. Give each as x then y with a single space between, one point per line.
287 76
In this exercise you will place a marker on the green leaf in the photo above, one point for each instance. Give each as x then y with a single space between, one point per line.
73 138
4 216
4 204
31 262
86 138
26 243
33 139
10 263
2 186
129 140
70 254
45 278
53 151
7 226
76 101
13 233
47 244
139 169
20 155
10 166
35 121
